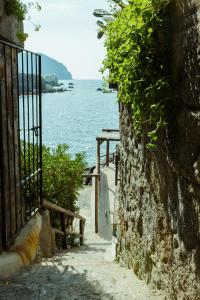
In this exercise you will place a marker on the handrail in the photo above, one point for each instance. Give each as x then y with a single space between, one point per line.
57 231
59 209
110 154
64 232
110 130
91 175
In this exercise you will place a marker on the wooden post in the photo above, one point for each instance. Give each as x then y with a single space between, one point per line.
96 204
63 229
97 187
82 225
98 156
116 168
107 153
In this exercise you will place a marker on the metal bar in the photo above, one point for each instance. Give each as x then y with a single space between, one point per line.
33 124
13 129
40 120
19 142
28 125
107 153
8 145
37 124
24 137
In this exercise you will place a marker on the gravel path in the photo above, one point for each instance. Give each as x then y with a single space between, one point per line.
88 272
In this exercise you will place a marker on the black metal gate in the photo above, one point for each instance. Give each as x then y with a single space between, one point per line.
20 139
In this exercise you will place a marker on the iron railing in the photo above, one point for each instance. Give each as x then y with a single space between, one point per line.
20 139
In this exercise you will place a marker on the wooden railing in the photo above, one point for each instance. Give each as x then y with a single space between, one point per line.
110 130
108 158
66 220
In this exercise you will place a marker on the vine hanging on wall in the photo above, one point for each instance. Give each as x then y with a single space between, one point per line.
21 10
136 40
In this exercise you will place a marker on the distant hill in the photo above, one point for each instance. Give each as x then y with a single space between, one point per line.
52 66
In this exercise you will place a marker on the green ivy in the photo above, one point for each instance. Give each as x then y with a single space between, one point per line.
16 8
137 45
20 10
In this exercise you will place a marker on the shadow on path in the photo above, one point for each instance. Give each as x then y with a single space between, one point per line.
55 282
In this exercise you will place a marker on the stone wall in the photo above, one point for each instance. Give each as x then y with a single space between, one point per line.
159 200
9 26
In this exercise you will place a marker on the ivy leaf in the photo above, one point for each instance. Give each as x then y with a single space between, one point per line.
22 37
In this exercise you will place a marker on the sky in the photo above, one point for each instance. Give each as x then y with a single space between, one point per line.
68 34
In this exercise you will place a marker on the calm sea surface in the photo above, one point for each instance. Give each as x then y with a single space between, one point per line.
76 117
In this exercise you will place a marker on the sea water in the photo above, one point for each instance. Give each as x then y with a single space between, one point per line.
77 116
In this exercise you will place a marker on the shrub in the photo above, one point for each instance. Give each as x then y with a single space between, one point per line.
62 175
62 179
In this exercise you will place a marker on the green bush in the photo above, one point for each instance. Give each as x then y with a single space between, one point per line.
62 179
62 176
